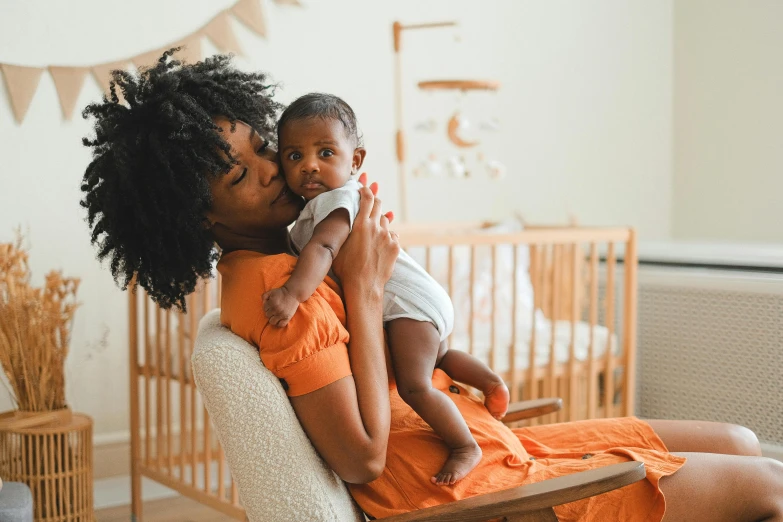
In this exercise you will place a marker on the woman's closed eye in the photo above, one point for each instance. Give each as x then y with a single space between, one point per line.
264 146
240 177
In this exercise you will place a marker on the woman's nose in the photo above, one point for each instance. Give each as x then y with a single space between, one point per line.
269 170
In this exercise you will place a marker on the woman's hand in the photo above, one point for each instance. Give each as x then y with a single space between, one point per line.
368 255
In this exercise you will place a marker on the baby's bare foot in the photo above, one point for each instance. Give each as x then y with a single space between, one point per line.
496 399
459 464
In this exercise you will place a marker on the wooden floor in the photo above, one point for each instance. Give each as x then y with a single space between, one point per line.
179 509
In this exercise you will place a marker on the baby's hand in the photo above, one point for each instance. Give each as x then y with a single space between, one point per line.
279 306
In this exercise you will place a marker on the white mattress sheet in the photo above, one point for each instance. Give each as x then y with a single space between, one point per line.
543 342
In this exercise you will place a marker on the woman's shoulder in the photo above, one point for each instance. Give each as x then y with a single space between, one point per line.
240 260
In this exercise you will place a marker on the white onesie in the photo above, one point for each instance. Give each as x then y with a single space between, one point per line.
410 292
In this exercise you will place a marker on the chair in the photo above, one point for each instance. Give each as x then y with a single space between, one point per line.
280 476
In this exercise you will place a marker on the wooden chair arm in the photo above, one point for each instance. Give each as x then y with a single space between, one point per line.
531 497
528 409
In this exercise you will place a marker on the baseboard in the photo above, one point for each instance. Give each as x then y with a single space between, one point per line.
116 491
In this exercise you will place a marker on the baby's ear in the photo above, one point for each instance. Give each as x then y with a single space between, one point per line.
358 158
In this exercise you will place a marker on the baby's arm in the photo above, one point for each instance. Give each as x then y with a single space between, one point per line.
313 264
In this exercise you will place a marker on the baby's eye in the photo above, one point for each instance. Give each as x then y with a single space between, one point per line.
294 156
326 153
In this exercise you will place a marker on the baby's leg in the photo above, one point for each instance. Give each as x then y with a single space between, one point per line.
414 350
465 368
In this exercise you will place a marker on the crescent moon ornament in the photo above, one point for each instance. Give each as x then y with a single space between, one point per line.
455 122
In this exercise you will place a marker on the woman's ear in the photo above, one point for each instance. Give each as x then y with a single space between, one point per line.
358 158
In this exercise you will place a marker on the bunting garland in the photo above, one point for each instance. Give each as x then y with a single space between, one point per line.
21 82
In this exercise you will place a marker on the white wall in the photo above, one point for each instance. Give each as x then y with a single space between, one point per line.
728 120
585 110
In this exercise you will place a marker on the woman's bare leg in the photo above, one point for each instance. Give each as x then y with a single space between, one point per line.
716 488
706 437
414 347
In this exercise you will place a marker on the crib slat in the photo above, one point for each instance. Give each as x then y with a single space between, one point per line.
135 428
611 262
159 388
183 423
554 306
147 383
592 384
221 473
541 263
629 329
234 492
205 296
572 385
169 435
512 359
193 397
471 310
451 284
207 454
219 289
207 432
493 306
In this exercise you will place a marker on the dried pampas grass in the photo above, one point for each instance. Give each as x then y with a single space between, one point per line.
35 327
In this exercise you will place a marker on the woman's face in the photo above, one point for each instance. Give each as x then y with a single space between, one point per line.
252 199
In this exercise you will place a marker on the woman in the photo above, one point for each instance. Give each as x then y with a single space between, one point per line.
189 164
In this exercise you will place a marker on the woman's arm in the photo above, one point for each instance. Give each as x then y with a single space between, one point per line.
313 264
348 420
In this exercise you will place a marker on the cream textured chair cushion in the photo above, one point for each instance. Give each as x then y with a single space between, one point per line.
279 475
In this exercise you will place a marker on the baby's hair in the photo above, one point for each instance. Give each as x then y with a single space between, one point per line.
147 187
324 106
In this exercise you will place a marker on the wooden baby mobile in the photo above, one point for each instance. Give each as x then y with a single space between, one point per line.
455 163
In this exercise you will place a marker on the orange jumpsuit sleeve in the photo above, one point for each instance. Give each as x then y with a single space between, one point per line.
307 354
311 351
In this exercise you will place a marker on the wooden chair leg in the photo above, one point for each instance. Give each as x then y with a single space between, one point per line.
542 515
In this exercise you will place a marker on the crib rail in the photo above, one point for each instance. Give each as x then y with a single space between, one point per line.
573 274
172 439
574 282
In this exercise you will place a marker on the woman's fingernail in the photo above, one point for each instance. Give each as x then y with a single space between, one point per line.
390 216
374 188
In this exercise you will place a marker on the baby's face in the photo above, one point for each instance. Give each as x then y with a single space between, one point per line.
317 156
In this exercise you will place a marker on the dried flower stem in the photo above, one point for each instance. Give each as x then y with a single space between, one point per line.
35 327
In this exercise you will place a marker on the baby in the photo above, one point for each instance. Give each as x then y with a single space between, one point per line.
320 151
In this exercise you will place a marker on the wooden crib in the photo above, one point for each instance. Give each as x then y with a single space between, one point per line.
578 292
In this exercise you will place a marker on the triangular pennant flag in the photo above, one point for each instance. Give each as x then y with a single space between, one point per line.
68 81
21 83
220 32
249 13
147 59
102 74
191 50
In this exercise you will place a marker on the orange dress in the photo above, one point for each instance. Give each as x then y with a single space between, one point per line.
311 352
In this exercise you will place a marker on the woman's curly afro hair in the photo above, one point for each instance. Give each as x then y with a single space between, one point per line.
147 187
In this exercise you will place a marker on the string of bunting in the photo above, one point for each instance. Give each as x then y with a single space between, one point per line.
21 82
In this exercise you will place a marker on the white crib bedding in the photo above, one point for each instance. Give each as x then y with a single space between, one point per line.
543 342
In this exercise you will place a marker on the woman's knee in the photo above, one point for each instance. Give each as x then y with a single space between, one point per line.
706 437
741 441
